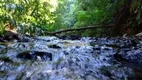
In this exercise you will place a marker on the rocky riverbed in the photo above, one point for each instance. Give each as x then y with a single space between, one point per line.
71 58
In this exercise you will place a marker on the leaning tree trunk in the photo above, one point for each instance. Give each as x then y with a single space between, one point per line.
78 29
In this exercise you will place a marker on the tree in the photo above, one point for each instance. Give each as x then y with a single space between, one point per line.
27 18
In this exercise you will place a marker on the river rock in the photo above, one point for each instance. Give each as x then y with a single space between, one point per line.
35 55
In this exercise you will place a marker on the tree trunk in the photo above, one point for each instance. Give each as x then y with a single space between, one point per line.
122 16
78 29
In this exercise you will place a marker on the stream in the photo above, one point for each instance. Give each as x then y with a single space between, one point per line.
69 58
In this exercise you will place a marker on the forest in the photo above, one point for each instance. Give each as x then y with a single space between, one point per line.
70 39
46 16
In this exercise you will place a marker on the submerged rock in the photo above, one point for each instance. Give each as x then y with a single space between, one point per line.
54 46
35 55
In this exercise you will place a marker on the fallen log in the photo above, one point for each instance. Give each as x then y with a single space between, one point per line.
78 29
139 34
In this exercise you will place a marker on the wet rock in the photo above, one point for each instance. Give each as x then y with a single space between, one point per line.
54 46
72 37
35 55
15 37
5 59
119 57
11 36
24 38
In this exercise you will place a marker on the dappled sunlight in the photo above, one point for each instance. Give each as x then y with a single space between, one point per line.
54 4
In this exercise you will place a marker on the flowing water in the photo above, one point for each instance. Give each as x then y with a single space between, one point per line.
51 58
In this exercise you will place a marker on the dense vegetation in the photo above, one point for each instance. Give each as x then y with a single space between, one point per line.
34 17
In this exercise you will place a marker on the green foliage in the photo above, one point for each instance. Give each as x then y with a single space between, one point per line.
136 12
83 13
2 30
36 16
29 16
65 17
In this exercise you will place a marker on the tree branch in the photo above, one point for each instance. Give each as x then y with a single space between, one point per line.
78 29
